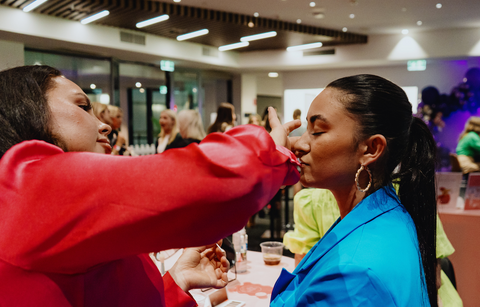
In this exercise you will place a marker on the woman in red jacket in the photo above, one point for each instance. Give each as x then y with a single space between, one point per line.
68 240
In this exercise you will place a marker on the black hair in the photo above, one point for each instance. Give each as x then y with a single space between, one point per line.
224 115
24 112
382 107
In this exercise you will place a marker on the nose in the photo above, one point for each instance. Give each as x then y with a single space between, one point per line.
301 146
104 128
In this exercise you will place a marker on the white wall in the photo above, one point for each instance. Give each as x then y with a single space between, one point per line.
248 96
380 50
267 86
443 74
11 54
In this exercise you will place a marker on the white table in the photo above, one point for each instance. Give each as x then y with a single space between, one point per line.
253 287
463 230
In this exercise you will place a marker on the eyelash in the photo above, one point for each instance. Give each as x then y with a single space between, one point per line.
318 133
86 107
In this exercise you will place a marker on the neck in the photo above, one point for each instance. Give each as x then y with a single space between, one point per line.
347 199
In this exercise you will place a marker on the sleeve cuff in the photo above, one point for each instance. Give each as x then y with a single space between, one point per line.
174 296
289 154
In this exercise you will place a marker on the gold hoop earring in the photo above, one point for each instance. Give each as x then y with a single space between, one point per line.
362 168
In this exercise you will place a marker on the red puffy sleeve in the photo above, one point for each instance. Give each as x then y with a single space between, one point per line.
67 212
174 296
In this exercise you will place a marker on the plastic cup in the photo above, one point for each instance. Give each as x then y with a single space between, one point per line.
272 252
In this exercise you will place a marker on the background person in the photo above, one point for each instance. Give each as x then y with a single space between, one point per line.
254 119
117 138
191 129
468 148
360 128
102 112
225 119
69 240
168 131
297 114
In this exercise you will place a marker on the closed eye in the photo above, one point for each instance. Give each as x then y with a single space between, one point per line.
86 108
318 133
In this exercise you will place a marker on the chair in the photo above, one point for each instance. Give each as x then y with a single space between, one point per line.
454 163
447 267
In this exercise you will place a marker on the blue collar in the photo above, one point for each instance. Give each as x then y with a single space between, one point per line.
368 209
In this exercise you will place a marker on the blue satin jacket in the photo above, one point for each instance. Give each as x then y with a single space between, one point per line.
369 258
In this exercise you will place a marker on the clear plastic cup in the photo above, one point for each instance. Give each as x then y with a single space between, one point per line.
272 252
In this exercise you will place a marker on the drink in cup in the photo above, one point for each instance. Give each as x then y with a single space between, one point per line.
272 252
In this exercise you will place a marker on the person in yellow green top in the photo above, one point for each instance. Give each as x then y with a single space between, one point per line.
315 210
468 148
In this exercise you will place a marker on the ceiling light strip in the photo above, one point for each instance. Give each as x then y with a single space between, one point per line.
233 46
192 34
258 36
305 47
34 5
152 21
95 17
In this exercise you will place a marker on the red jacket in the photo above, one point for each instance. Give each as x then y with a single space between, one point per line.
75 227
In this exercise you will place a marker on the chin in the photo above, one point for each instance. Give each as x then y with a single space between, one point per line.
304 182
102 150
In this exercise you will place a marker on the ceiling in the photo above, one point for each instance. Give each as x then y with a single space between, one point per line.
371 16
295 21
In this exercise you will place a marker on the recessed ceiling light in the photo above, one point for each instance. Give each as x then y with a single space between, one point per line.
304 47
344 29
177 0
33 5
138 84
299 21
312 4
233 46
405 31
273 74
439 5
256 14
352 16
93 86
152 21
142 90
258 36
192 34
419 23
95 17
251 24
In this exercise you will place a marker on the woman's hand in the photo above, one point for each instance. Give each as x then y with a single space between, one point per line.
280 133
201 267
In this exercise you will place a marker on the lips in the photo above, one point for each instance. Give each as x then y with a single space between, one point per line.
303 163
105 143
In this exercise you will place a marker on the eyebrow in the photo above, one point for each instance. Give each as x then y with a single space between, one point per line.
83 96
316 117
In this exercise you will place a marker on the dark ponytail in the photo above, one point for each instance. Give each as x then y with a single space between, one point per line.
382 107
416 178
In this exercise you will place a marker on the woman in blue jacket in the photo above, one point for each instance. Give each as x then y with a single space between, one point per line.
361 137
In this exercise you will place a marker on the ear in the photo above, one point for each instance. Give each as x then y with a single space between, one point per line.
372 149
